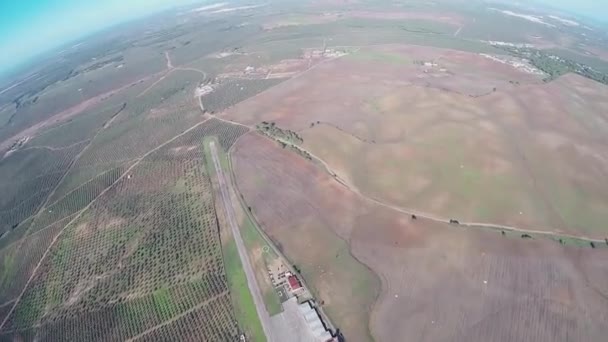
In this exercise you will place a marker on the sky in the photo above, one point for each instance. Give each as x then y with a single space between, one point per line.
30 27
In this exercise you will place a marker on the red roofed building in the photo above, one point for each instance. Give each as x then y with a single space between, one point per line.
294 283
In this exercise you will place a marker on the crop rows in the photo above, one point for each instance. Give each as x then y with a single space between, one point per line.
78 199
137 135
20 259
226 133
195 324
16 234
147 251
80 175
24 188
82 128
233 91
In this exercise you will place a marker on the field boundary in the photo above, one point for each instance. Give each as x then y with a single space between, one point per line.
551 233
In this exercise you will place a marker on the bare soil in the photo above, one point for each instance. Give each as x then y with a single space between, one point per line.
445 284
309 216
499 145
437 282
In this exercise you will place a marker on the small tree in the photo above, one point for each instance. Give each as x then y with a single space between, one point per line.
592 244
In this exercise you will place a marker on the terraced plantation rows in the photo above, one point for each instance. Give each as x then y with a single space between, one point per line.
26 179
21 257
144 261
232 91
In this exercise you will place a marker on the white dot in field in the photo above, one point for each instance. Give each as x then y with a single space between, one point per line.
396 296
485 282
462 166
521 213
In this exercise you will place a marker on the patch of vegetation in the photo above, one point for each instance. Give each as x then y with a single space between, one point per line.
244 308
272 130
284 137
555 66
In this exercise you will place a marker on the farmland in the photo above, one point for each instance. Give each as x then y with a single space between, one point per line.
479 280
294 214
429 171
441 162
135 276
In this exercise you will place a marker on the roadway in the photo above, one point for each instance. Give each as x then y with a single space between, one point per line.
256 293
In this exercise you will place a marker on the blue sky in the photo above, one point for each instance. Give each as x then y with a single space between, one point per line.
29 27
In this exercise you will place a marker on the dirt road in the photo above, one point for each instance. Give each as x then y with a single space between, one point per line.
547 232
230 217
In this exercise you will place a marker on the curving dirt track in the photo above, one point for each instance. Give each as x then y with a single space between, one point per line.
436 282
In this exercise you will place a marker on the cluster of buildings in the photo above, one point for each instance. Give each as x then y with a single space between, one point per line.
301 320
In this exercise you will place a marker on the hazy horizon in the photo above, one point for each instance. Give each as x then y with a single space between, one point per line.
32 27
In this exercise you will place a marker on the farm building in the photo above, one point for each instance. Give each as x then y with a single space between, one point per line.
300 323
314 322
294 283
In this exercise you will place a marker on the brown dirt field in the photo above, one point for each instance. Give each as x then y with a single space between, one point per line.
447 284
439 282
439 139
296 205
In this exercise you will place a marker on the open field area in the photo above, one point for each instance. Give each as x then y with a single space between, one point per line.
420 171
441 138
444 284
439 282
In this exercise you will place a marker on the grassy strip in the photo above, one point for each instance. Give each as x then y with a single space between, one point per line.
242 300
244 308
254 241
